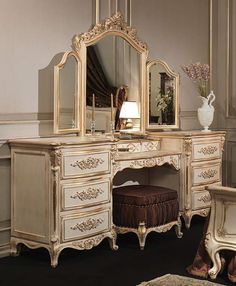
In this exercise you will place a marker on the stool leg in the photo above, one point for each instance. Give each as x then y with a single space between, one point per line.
142 233
178 228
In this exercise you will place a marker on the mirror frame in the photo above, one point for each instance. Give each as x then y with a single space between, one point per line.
176 76
116 26
56 115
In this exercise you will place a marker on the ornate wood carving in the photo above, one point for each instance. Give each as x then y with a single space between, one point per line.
90 193
114 23
89 163
209 150
87 225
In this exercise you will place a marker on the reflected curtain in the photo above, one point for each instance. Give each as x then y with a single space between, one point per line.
97 83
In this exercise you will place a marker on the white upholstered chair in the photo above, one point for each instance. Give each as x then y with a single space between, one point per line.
221 232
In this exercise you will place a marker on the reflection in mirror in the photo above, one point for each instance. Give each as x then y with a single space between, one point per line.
113 67
162 96
66 94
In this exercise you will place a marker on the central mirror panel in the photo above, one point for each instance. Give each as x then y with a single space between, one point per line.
113 69
113 72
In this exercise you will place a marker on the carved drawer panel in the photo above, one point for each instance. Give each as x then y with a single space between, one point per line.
85 226
150 146
206 174
206 151
129 147
85 194
75 164
201 199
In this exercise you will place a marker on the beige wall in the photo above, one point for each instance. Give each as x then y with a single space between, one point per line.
34 33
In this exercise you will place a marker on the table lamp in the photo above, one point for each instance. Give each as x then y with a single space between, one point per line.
129 110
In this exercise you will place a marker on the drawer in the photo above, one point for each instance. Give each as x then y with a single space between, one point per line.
201 199
206 174
129 147
85 226
80 164
76 195
141 146
206 151
150 146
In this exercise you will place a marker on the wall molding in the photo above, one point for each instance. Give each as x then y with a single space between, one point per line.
5 250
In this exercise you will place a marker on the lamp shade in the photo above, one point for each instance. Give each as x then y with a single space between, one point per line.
129 109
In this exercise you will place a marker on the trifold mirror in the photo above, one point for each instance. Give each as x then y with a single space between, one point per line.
162 96
67 82
105 83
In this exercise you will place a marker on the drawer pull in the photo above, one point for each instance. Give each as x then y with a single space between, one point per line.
90 193
90 163
209 150
205 198
210 173
87 225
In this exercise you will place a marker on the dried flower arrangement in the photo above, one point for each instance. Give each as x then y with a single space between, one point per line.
200 75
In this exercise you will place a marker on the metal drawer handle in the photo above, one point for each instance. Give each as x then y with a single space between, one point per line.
90 193
89 163
87 225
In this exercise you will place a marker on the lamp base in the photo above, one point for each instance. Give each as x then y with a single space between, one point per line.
129 124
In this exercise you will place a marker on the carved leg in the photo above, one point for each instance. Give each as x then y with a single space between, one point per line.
54 254
215 257
112 240
211 248
142 233
15 249
187 220
178 228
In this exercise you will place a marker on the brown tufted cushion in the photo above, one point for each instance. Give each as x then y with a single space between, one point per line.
153 205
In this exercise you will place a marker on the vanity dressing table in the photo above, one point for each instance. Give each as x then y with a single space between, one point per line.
62 186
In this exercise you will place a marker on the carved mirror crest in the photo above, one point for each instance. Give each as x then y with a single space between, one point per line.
162 96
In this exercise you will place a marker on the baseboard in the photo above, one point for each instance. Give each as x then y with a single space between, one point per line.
4 250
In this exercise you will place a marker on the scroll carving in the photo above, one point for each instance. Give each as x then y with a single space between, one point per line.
209 150
89 243
205 198
90 163
116 22
90 193
210 173
88 224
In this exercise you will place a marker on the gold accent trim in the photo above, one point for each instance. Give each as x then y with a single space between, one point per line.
221 232
205 198
89 243
209 150
89 163
210 173
89 224
90 193
116 23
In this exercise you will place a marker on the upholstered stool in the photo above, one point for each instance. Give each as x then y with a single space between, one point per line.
144 208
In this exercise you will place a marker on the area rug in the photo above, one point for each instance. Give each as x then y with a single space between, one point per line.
176 280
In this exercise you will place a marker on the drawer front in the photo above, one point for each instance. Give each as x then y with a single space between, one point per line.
85 226
75 164
76 195
206 151
129 147
150 146
206 175
201 199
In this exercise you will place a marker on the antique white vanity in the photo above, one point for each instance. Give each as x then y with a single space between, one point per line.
62 186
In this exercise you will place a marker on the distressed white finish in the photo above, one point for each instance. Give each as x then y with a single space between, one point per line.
201 165
221 232
67 208
43 211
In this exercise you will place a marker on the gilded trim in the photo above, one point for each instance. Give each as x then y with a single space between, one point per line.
89 163
89 224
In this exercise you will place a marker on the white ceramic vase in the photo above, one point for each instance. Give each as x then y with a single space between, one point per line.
206 111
